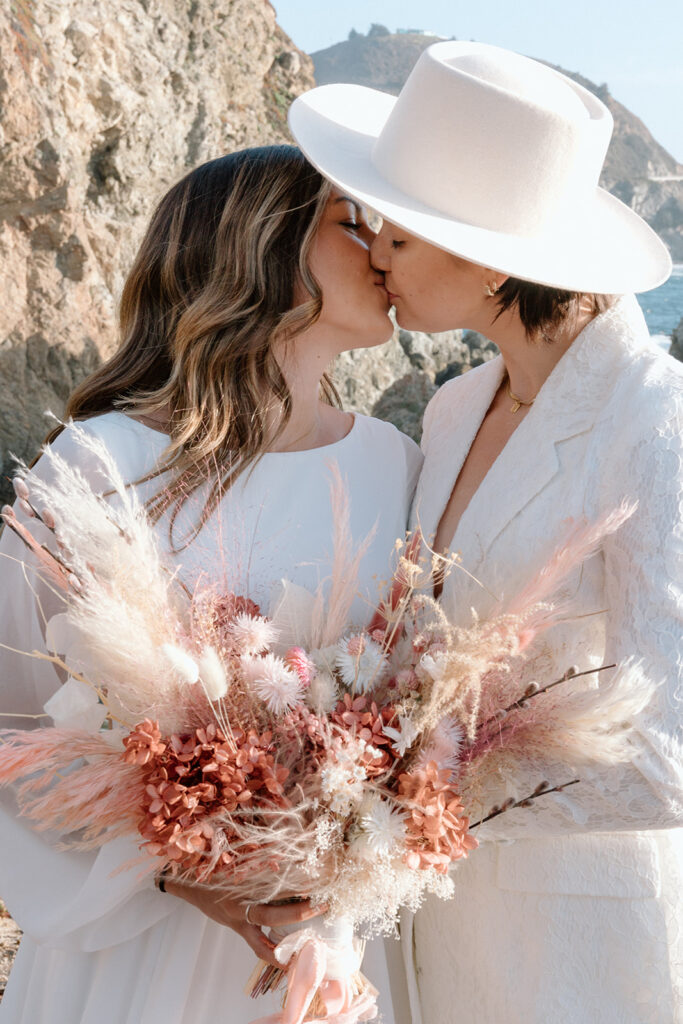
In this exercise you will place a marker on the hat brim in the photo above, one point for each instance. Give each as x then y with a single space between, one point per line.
598 246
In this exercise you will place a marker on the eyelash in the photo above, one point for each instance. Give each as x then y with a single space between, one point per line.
396 244
350 224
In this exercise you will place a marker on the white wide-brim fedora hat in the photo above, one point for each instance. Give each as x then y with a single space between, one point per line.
491 156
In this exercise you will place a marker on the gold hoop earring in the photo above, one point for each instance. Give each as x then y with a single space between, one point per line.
491 289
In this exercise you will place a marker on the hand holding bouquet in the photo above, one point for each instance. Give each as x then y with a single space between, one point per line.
264 755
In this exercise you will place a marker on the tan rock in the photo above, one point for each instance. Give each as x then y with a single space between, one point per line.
101 109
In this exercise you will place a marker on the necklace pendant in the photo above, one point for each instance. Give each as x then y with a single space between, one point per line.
515 406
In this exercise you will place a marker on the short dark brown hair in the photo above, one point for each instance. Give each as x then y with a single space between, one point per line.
543 310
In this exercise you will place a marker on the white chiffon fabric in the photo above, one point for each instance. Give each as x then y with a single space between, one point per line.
101 945
571 910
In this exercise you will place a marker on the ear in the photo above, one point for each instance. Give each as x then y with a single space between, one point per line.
492 281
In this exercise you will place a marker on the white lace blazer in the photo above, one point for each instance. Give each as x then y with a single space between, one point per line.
590 880
606 426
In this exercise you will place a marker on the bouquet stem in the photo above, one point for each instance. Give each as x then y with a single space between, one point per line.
321 962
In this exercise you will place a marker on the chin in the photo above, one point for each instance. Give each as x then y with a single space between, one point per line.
413 322
378 336
408 323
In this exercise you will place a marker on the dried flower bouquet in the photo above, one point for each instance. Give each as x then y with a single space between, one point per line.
346 767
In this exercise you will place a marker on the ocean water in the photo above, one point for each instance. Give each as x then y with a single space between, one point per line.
663 307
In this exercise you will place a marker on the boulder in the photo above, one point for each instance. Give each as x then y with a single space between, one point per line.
98 116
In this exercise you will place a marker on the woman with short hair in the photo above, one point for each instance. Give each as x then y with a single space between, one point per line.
486 171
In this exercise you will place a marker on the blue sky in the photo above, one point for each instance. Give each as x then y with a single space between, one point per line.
637 48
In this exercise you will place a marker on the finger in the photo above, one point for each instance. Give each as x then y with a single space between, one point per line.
260 943
269 916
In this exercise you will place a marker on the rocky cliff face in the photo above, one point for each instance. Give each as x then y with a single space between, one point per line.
637 169
396 381
102 107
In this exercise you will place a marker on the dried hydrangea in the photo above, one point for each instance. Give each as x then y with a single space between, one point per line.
367 722
191 778
438 828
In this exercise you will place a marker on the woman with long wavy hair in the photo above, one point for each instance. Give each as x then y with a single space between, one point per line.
253 275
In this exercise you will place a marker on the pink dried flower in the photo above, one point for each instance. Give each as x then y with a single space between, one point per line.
297 659
406 680
214 614
20 488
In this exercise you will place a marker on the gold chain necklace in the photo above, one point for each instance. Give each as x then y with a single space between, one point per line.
517 401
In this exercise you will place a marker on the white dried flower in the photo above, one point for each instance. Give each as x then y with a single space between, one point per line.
75 705
361 662
328 833
342 788
183 665
341 782
324 658
367 748
212 674
276 685
322 694
252 634
432 665
382 830
403 737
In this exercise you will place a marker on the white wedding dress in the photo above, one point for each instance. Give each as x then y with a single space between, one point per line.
571 910
102 946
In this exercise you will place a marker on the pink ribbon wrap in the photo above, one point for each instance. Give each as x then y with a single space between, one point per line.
325 964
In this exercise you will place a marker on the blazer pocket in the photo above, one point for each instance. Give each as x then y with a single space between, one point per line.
615 864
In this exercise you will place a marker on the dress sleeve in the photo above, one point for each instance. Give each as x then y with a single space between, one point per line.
643 570
428 418
60 898
414 460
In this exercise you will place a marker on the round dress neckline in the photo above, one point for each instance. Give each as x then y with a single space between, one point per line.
334 446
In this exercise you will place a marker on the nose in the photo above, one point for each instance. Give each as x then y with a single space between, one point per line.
380 250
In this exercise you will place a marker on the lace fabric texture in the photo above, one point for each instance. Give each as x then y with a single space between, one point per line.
593 873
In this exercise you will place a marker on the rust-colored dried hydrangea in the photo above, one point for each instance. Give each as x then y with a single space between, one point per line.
191 778
437 826
366 721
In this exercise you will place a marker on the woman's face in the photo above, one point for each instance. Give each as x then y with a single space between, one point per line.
355 311
431 289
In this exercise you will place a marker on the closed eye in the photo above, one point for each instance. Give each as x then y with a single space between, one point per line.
350 224
396 243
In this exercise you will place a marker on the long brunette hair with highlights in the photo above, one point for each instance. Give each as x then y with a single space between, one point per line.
211 291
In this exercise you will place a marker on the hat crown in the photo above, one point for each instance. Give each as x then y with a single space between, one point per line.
519 76
490 156
493 139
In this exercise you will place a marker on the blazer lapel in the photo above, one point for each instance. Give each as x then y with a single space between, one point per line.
568 404
450 441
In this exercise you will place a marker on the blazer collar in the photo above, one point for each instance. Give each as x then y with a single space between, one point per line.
569 403
574 395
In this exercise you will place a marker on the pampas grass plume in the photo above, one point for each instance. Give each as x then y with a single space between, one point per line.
212 674
185 667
